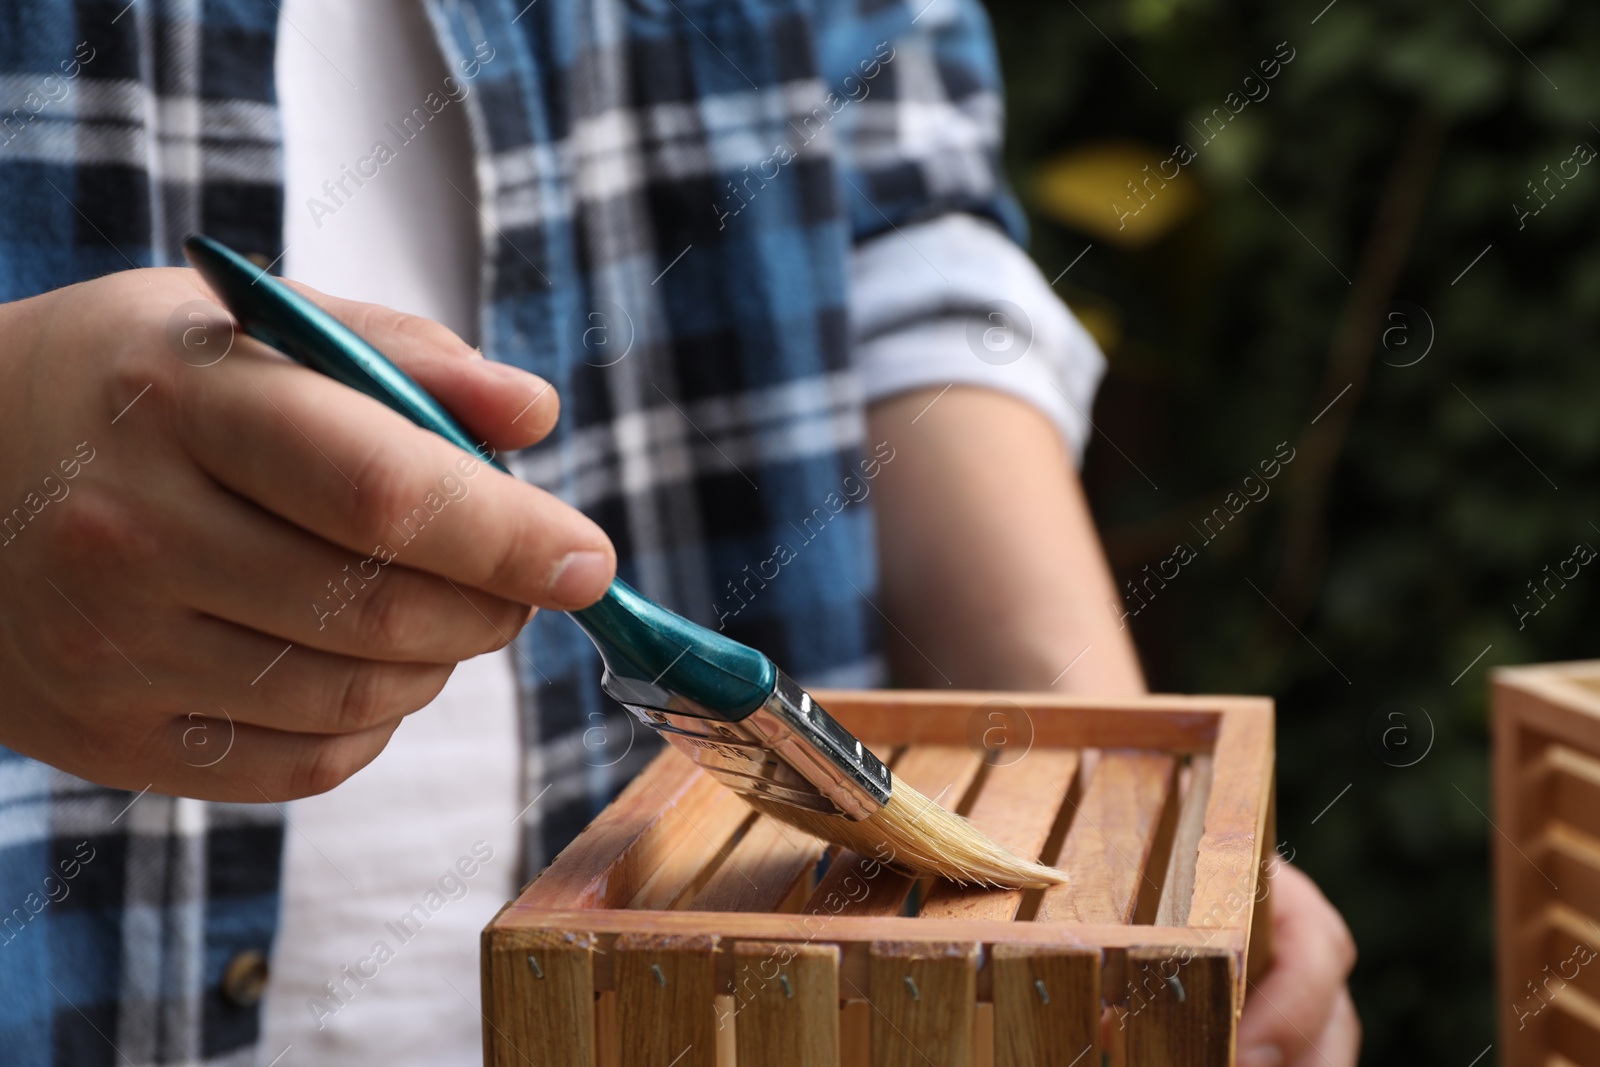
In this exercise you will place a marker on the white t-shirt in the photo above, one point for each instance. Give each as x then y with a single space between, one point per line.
360 860
418 851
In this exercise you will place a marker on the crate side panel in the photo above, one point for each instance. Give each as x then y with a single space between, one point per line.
610 861
1187 1019
538 999
1163 723
1259 948
1226 867
1046 1006
1545 730
855 934
1556 1006
1521 896
924 996
787 1002
665 988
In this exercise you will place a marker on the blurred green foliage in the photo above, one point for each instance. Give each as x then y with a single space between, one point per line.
1395 148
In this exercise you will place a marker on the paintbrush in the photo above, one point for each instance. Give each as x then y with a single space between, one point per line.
723 704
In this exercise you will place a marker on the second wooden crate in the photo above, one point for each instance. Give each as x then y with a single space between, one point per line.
1546 841
682 930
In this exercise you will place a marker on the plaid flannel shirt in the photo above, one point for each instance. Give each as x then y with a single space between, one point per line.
672 191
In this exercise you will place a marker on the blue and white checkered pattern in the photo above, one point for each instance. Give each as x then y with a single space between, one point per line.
672 192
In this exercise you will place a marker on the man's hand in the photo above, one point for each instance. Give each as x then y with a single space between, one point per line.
993 578
1300 1013
229 577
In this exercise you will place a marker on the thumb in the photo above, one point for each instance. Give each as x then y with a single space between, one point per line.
497 403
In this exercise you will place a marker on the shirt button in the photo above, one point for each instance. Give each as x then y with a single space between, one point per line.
260 259
245 978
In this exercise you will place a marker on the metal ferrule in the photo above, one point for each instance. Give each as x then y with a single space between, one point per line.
788 749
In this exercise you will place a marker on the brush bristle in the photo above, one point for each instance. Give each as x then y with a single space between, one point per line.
921 837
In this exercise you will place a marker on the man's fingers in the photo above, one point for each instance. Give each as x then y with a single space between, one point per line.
262 764
1289 1009
249 567
344 467
507 407
238 675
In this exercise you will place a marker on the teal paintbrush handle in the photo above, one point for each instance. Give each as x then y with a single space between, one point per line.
276 315
650 653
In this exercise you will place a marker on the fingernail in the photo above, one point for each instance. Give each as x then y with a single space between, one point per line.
579 579
1261 1056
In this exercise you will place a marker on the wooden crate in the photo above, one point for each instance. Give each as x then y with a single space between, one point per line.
681 930
1546 842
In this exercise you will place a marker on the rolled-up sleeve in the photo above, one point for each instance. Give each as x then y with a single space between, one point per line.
953 301
942 292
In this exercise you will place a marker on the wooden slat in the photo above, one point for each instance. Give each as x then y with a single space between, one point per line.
943 717
1571 940
1017 806
1178 888
1574 788
1574 1021
541 1011
1568 859
1108 847
1151 887
860 885
788 1016
1046 1006
762 869
1236 817
923 996
697 856
1188 1022
665 986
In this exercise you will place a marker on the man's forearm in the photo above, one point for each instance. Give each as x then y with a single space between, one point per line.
992 572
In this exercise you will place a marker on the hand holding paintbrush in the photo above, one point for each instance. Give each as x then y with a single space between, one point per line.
721 703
